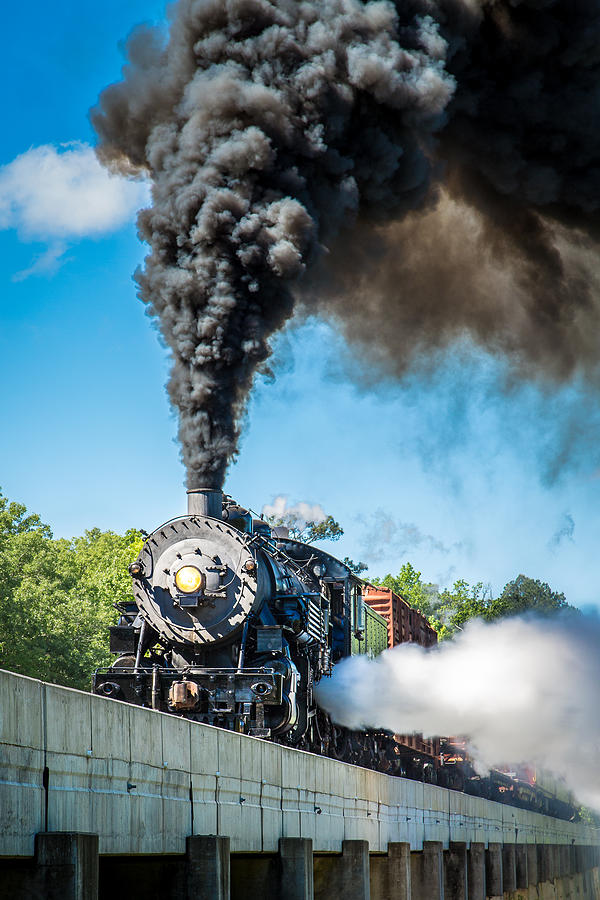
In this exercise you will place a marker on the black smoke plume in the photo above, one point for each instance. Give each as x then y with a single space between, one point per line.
419 170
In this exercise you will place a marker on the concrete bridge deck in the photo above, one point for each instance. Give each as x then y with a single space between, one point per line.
144 781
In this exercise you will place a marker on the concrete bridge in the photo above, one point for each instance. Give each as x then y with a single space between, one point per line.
102 799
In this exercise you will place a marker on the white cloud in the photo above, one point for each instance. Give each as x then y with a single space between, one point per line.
297 514
47 263
60 193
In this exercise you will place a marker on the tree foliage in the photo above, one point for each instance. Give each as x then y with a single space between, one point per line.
357 567
519 597
411 587
457 605
528 595
57 595
449 610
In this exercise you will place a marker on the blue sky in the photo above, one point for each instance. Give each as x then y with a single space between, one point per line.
447 472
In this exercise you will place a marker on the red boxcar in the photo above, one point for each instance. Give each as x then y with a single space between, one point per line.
404 622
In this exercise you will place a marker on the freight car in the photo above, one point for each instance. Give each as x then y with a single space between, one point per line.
403 622
233 623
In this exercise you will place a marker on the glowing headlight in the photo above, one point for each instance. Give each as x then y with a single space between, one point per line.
189 579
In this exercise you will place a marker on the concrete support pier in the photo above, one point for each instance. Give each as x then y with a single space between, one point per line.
509 868
455 871
544 863
344 877
476 871
206 872
521 866
427 872
296 879
66 866
532 865
493 872
390 873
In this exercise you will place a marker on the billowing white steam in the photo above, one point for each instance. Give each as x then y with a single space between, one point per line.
294 515
522 690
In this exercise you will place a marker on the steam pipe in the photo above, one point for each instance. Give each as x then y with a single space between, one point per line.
205 502
242 653
141 649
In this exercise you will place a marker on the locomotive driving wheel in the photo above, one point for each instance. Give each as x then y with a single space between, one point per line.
322 732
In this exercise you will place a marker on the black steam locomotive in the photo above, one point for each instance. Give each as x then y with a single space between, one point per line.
233 624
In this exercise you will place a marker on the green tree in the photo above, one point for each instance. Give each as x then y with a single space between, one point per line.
449 610
357 567
56 596
520 596
409 584
523 595
458 605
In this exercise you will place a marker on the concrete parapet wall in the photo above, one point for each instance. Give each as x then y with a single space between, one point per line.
143 781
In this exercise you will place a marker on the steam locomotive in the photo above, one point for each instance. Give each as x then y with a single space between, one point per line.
233 623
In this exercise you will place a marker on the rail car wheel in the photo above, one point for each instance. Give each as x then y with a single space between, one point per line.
384 759
110 689
339 744
361 749
397 765
322 728
429 774
442 777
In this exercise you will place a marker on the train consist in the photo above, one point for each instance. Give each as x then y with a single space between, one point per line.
233 623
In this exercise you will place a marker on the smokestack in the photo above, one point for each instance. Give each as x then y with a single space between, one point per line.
205 502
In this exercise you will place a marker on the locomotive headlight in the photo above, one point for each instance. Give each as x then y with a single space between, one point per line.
189 579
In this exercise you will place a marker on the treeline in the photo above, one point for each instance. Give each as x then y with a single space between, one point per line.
57 596
450 609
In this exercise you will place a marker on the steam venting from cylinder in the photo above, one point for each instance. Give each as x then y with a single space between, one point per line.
542 707
205 502
418 169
